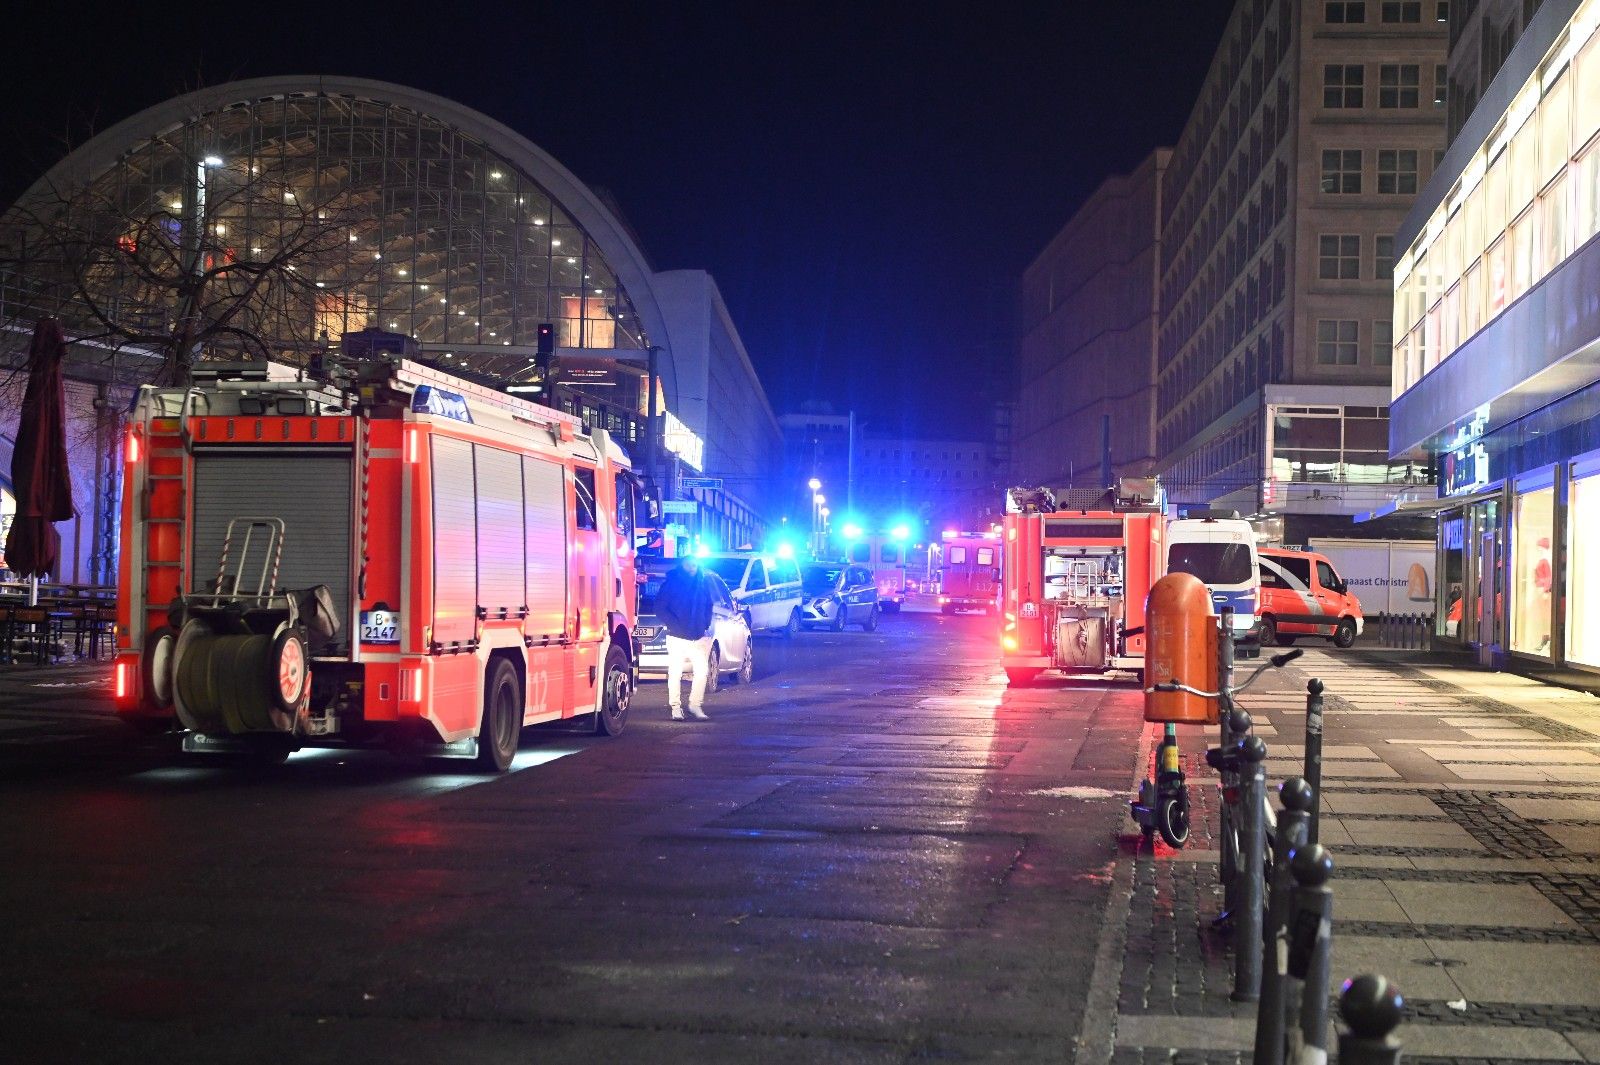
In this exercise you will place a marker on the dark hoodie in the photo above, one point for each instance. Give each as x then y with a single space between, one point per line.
684 604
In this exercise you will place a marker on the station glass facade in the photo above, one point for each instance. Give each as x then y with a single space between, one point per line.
390 217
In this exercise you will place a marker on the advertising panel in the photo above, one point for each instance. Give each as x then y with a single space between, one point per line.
1388 576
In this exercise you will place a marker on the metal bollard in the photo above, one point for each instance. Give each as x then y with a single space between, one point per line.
1310 944
1296 797
1252 838
1313 761
1371 1007
1238 724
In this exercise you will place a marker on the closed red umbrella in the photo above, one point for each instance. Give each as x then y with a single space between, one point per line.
39 471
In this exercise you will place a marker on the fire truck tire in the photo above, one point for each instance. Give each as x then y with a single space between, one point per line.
714 670
155 668
617 694
1020 678
871 624
501 725
288 672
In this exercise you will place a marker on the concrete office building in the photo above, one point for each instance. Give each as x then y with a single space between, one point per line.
1088 352
453 230
1317 123
941 484
1496 371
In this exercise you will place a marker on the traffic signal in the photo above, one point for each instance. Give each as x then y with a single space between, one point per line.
545 350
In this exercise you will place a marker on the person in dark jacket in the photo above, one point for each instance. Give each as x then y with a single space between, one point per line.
684 607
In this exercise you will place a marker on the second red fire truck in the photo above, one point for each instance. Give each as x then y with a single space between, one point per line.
1075 577
395 556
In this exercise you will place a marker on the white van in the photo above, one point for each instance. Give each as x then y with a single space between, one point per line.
1222 553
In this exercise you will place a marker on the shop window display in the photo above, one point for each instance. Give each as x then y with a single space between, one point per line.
1451 575
1532 537
1583 573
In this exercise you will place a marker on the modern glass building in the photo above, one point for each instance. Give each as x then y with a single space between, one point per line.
308 207
1497 355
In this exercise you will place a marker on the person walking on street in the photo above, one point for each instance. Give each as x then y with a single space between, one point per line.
684 606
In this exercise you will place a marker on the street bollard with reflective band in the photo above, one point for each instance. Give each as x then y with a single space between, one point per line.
1313 774
1371 1007
1310 944
1296 798
1252 838
1181 647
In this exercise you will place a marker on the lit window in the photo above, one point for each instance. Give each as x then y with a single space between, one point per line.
1399 85
1341 170
1344 12
1402 11
1339 257
1342 85
1337 342
1397 171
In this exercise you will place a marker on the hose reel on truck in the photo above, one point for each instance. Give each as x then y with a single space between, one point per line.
241 663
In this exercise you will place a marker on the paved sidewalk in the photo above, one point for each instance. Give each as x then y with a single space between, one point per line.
1463 812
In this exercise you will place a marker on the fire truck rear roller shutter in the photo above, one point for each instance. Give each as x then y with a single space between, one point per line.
545 517
310 492
501 587
455 556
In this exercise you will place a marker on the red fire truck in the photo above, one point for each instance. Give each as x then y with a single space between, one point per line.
969 572
393 556
1075 577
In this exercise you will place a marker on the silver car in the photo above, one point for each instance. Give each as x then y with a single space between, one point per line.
836 594
732 649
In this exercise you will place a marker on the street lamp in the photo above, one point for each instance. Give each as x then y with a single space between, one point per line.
814 484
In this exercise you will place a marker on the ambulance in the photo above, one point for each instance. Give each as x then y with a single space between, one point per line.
969 572
1075 575
390 556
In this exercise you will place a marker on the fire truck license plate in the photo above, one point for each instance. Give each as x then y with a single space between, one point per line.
380 626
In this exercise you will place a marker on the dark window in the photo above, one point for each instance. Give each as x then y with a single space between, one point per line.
1441 85
1326 577
985 556
1397 171
583 498
1297 568
625 512
1337 343
958 556
1339 257
1341 170
1344 12
889 555
1342 85
1402 10
1213 563
1382 342
1441 11
1383 258
1399 85
757 580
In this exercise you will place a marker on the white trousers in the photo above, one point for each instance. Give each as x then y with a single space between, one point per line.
698 652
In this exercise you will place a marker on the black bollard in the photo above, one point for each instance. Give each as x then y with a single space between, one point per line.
1296 797
1238 725
1310 944
1313 760
1252 838
1371 1007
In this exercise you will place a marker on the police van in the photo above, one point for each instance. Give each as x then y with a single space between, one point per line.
1221 551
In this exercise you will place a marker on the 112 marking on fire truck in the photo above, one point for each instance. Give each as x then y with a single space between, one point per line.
393 556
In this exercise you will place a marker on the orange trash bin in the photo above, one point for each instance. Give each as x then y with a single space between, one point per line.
1182 646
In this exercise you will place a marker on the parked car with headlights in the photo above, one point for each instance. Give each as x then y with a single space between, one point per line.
732 649
766 588
837 594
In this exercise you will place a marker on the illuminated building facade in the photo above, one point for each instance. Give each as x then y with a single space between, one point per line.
1497 354
1317 124
357 204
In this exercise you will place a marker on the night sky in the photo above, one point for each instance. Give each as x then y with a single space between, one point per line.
866 182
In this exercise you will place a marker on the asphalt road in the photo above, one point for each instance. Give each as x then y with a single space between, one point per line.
875 852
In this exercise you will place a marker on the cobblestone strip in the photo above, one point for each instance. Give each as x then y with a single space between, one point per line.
1504 833
1509 1014
1470 933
